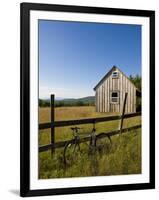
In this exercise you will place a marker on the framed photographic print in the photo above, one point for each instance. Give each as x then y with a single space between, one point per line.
87 99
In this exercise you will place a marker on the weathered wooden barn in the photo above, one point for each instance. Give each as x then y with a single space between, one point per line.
110 91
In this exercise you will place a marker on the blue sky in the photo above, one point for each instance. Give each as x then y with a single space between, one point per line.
74 56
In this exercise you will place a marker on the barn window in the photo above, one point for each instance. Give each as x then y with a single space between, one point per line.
114 97
115 74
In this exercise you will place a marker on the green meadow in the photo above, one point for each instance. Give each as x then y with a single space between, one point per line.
124 157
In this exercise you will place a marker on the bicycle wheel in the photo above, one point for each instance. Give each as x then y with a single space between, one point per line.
71 153
103 143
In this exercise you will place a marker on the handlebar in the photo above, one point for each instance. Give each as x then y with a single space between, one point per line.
75 128
78 128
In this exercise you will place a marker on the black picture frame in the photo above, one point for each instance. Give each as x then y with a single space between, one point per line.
25 9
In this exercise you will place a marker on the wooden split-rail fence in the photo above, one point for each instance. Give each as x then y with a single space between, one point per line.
54 124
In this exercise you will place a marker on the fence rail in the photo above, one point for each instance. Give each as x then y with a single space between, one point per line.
85 121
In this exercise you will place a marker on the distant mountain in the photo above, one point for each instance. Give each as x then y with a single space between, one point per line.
56 98
89 99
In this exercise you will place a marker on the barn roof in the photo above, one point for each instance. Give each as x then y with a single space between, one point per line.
109 72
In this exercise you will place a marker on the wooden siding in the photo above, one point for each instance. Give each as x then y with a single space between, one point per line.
121 84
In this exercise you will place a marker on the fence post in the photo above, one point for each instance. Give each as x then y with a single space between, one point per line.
52 104
123 112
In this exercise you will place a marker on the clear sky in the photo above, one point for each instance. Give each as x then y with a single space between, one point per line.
74 56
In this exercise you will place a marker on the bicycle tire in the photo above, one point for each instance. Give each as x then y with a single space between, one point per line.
71 153
104 143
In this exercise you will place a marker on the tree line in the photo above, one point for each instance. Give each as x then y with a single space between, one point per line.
63 103
137 80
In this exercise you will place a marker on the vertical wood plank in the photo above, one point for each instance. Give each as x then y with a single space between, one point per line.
103 98
118 88
105 86
121 91
108 95
98 101
123 112
95 100
110 87
100 98
126 90
129 97
134 99
101 103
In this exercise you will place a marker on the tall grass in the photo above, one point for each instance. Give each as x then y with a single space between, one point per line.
123 158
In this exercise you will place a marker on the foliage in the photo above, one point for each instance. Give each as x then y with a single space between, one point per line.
43 103
137 82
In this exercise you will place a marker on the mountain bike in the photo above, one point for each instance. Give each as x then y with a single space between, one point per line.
95 142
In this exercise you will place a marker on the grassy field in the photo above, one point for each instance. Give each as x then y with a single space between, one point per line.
123 158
